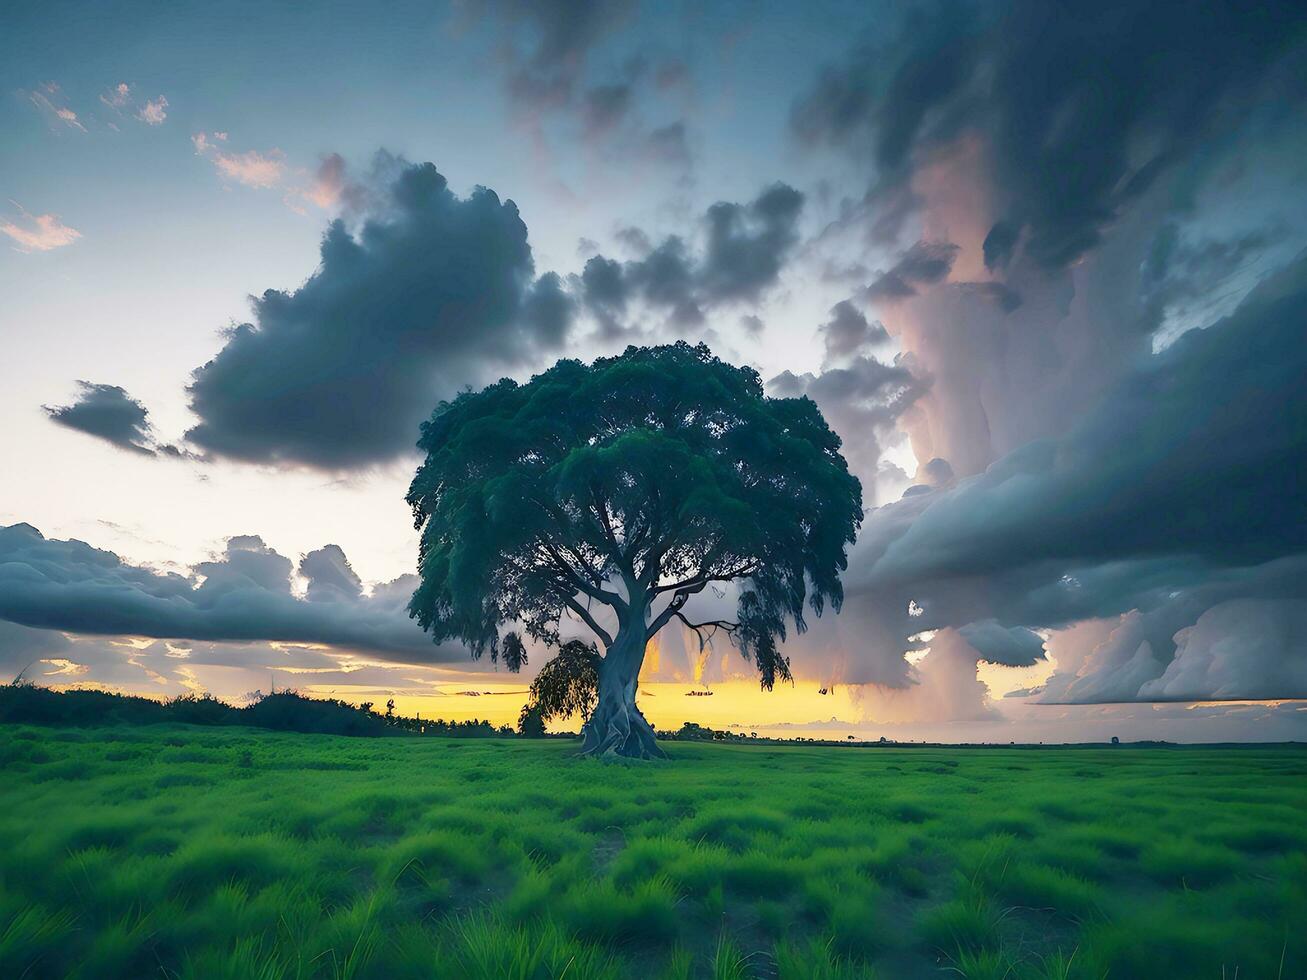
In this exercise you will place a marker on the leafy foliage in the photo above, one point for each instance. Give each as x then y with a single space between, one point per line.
568 684
663 469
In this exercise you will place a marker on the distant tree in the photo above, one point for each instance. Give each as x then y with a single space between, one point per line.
613 493
529 723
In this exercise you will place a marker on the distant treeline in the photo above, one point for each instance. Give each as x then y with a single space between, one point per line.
285 711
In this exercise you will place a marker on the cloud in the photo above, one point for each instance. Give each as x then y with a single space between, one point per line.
107 412
848 332
548 53
251 168
1241 649
38 232
925 263
49 99
998 644
862 400
742 251
118 96
1118 104
549 43
1172 499
432 293
604 107
331 185
669 145
154 112
244 594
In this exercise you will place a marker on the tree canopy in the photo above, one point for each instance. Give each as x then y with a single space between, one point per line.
639 478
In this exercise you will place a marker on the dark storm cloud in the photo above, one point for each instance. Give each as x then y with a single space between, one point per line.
1081 107
1179 494
669 144
848 332
548 68
924 264
605 106
551 54
243 595
742 250
861 400
1196 452
107 412
330 575
1011 646
433 293
747 243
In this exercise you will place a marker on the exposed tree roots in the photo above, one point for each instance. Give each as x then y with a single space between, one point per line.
617 729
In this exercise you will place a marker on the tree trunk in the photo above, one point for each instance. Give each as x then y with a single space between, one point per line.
616 727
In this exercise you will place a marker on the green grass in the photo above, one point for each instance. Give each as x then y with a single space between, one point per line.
180 852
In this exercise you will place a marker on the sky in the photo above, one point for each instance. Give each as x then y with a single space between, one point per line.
1041 266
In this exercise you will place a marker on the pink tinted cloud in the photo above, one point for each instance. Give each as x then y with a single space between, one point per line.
251 168
38 232
118 96
49 100
154 112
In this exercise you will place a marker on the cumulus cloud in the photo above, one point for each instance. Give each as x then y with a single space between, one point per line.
849 332
1241 649
862 400
742 252
107 412
432 293
244 594
38 232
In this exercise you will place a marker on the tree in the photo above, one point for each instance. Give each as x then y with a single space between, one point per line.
568 684
529 723
612 494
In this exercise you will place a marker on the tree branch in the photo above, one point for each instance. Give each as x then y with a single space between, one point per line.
673 608
584 613
712 625
594 592
702 579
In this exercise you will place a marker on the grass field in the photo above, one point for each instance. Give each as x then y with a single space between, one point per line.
230 853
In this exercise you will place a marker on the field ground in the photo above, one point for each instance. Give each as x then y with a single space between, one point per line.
230 853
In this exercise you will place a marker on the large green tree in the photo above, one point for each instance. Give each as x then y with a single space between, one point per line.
612 494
